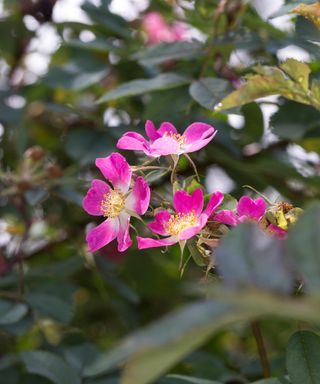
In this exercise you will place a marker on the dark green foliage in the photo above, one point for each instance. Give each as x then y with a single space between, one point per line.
67 316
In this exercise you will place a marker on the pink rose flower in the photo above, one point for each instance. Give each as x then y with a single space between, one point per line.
188 220
115 203
159 31
247 209
167 141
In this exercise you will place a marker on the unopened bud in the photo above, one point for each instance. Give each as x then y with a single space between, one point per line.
35 153
54 170
23 185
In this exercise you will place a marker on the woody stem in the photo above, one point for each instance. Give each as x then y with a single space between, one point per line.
256 330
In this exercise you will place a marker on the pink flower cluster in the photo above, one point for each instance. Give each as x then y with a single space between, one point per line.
127 195
159 31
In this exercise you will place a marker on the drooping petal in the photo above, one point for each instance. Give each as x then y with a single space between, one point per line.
147 242
116 169
252 209
94 197
185 203
226 217
160 220
151 131
165 146
133 141
168 128
139 198
123 238
103 234
198 131
277 231
214 202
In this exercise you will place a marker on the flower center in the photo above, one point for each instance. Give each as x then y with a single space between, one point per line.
176 136
179 222
112 203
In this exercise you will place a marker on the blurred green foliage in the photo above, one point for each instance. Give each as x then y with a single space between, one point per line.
62 309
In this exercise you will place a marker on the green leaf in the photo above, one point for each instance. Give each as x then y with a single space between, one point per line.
303 247
253 127
209 91
303 358
229 202
273 81
153 350
141 86
257 86
11 313
181 379
84 145
160 53
273 380
51 366
309 11
249 257
52 306
107 21
293 120
71 77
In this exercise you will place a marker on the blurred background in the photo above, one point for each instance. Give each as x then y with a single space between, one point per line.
65 66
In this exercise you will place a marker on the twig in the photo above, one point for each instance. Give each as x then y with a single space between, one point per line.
261 349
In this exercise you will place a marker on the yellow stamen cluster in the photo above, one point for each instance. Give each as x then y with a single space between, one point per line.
179 222
176 136
112 203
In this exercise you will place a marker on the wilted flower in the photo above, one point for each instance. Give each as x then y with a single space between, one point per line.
188 220
116 203
247 209
159 31
167 141
276 231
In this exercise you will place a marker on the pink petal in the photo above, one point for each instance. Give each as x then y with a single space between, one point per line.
198 131
165 146
133 141
187 233
103 234
139 198
185 203
226 217
197 145
151 131
116 169
123 238
277 231
167 128
160 220
198 135
214 202
147 242
252 209
92 201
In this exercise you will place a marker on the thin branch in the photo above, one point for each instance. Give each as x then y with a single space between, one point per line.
261 349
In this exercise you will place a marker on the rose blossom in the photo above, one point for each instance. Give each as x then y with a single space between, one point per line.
115 203
159 31
247 209
167 141
186 222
